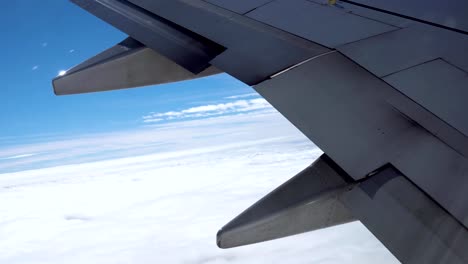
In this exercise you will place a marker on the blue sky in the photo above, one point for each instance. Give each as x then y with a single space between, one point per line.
40 129
44 37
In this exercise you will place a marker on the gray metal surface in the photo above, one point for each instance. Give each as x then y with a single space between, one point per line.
398 50
430 122
254 51
123 66
182 46
449 13
372 14
327 25
345 111
341 108
239 6
407 221
308 201
437 169
439 87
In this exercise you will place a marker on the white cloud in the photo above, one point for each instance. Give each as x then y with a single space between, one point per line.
242 96
35 67
71 51
166 208
209 131
238 106
44 44
158 194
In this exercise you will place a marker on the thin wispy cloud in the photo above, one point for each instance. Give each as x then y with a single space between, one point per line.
71 51
35 67
44 44
19 156
242 96
237 106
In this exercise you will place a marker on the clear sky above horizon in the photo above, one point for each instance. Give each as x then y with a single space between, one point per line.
42 38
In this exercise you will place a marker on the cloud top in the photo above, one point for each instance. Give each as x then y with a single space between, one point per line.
166 207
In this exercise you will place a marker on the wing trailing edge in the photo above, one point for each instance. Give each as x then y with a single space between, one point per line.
307 202
128 64
414 227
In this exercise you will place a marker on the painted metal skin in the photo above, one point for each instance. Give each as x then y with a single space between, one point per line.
379 86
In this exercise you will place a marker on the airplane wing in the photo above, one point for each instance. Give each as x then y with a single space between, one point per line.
380 86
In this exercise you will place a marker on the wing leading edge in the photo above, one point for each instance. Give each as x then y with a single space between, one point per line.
376 86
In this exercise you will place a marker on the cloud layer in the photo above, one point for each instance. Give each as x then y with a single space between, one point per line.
233 107
159 193
165 207
154 137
